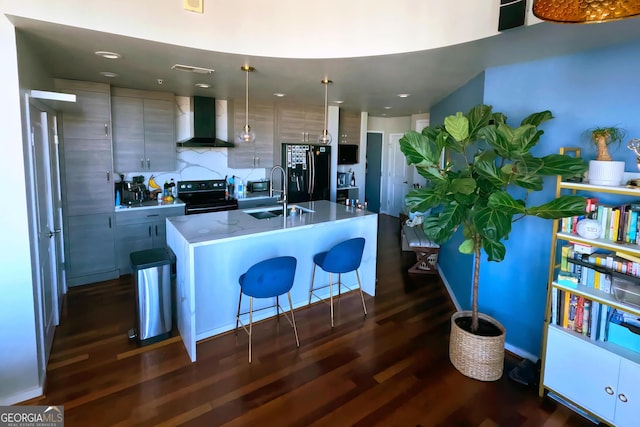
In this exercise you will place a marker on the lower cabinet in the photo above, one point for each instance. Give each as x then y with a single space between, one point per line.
90 248
137 230
610 391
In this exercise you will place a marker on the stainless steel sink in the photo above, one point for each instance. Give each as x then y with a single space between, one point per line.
276 211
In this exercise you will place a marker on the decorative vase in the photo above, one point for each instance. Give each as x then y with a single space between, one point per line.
476 356
606 172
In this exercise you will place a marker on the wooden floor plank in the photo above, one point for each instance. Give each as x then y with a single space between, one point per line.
388 368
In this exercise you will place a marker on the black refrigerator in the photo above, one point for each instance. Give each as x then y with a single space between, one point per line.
308 170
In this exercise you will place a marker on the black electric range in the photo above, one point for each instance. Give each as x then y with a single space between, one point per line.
205 196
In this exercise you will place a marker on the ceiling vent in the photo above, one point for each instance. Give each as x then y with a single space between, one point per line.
192 69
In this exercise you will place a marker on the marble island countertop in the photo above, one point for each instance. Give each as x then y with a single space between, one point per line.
212 227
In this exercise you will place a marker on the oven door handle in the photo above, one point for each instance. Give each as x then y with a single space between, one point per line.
209 209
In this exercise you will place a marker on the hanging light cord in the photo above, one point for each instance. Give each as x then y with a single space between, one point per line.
246 100
326 88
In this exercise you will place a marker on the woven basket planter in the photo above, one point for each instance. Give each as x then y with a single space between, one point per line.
477 357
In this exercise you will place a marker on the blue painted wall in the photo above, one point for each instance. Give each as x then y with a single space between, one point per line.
595 88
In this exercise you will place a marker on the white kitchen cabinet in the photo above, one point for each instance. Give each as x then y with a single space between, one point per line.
599 380
140 229
143 131
259 154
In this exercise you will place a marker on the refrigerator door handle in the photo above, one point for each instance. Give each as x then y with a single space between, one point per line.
312 172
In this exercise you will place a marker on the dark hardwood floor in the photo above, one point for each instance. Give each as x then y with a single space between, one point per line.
388 369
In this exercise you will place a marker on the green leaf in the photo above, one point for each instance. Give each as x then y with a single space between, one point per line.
488 170
495 250
498 118
565 166
418 149
525 138
479 117
463 185
441 227
537 119
561 207
492 224
457 126
466 247
503 201
421 199
529 182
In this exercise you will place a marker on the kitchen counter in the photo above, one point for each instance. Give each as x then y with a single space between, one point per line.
150 204
204 229
213 249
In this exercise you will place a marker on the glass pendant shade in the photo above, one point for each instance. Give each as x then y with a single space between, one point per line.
325 136
585 11
246 136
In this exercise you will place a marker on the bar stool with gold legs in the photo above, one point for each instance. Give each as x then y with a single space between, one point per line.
267 279
341 258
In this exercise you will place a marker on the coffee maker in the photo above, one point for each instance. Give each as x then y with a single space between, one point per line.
132 192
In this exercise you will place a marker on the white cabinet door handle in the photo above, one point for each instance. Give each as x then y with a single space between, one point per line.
608 390
623 398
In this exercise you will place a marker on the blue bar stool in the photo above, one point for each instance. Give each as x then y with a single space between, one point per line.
342 258
267 279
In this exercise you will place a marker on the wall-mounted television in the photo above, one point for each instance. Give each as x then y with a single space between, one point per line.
347 154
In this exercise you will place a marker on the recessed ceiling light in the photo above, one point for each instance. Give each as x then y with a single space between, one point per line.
387 108
203 85
279 94
108 55
338 102
192 69
404 95
108 74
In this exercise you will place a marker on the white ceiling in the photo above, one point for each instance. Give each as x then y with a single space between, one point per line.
364 84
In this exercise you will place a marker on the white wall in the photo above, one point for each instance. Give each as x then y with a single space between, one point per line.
265 28
18 351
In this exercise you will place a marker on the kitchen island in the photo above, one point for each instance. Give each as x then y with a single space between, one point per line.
214 249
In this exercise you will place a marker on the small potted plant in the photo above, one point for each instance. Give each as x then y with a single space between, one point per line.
482 191
603 170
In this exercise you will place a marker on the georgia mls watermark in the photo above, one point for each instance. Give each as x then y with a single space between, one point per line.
31 416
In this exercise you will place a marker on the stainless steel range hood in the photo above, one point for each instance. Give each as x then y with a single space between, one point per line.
196 123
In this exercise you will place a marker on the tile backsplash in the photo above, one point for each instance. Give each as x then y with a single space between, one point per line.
201 163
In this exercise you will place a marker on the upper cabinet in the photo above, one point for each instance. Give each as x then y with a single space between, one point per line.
259 154
90 116
299 124
349 128
86 149
143 130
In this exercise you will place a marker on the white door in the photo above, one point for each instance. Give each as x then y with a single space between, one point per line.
398 174
46 233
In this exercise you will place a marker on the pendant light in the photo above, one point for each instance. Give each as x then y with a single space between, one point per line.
325 137
246 135
585 11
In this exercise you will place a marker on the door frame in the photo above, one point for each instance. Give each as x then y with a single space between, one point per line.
53 208
386 167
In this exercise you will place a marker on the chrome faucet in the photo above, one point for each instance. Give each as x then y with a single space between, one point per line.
282 191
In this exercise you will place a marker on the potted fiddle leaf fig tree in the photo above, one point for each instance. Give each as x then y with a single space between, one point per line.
482 189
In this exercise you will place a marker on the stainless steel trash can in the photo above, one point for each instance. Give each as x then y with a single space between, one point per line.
152 285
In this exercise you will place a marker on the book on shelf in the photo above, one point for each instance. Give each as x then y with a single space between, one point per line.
627 256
